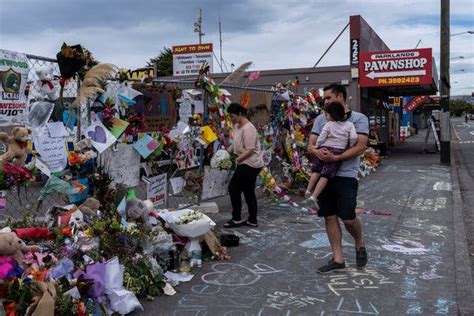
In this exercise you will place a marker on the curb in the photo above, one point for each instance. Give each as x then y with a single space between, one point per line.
462 261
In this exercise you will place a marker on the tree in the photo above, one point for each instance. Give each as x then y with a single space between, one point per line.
163 62
458 107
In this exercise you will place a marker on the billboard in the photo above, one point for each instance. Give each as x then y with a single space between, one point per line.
395 68
187 59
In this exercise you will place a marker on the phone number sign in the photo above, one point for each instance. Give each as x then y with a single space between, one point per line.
395 68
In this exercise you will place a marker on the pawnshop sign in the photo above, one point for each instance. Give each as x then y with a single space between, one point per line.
395 68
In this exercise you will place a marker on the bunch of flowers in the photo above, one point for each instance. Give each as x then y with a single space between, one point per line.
13 175
136 123
74 59
108 113
222 160
189 217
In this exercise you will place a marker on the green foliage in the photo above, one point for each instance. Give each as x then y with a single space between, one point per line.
142 279
458 107
163 62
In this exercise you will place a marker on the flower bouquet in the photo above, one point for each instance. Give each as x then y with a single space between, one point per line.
73 59
13 175
189 223
221 160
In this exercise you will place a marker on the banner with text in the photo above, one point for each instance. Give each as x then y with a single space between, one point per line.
13 76
188 59
415 103
395 68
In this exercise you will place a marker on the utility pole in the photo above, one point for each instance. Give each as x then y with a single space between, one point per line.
220 36
445 85
198 25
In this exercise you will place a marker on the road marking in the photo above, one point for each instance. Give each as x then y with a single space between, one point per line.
455 131
467 142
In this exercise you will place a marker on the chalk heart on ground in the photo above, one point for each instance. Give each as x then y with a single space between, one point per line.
232 274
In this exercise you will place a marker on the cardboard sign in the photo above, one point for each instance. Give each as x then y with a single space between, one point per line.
395 68
156 189
13 77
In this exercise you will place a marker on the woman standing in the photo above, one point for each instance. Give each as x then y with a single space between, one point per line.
249 163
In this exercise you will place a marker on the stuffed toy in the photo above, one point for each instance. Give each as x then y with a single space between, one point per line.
12 246
192 182
137 210
17 151
44 88
89 207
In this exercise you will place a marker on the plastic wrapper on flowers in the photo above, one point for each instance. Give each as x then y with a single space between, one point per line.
192 229
221 160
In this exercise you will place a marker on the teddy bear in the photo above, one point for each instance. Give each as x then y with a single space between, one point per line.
89 207
192 182
137 210
44 88
12 246
17 141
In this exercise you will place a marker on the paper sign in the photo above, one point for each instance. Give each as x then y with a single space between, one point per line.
123 165
100 136
41 166
57 129
198 106
177 184
146 145
52 151
180 129
119 126
185 110
156 189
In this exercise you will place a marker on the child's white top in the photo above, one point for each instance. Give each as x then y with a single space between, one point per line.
337 134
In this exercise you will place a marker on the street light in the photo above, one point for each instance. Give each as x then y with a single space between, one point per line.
465 32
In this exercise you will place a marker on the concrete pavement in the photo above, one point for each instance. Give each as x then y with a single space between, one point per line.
415 263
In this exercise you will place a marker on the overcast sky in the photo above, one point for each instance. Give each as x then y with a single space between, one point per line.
272 33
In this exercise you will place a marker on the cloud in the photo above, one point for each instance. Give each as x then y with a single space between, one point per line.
273 34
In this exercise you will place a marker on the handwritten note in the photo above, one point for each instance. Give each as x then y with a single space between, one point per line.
123 165
57 129
177 184
156 189
185 110
52 151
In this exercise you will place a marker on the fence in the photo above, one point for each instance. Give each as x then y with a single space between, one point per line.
24 200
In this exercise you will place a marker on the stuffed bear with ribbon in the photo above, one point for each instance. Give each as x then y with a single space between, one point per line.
44 88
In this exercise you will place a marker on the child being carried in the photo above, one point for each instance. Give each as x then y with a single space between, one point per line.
336 136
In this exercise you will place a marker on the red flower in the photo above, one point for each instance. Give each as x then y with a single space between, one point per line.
18 173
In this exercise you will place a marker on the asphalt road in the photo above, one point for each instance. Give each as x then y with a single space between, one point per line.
463 147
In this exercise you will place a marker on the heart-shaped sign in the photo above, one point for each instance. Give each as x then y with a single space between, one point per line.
98 135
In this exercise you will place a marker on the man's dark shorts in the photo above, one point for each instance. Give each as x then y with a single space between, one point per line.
339 197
